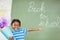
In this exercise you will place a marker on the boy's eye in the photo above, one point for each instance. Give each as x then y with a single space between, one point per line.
16 25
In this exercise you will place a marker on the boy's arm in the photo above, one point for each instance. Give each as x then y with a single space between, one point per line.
34 29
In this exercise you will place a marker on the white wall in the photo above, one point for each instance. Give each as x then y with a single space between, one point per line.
5 11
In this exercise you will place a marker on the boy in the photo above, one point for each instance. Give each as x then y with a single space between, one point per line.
18 33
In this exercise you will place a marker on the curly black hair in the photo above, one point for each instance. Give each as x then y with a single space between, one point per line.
16 20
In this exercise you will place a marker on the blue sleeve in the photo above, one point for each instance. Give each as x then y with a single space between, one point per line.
25 30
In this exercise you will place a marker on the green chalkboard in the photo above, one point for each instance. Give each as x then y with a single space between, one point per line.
38 13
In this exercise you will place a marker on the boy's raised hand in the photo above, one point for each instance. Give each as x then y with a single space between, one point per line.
40 29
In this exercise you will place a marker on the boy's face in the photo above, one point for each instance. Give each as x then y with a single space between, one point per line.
15 25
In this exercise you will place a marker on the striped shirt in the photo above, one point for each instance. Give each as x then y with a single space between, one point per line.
19 34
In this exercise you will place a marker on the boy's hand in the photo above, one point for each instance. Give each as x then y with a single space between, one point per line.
11 38
40 28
